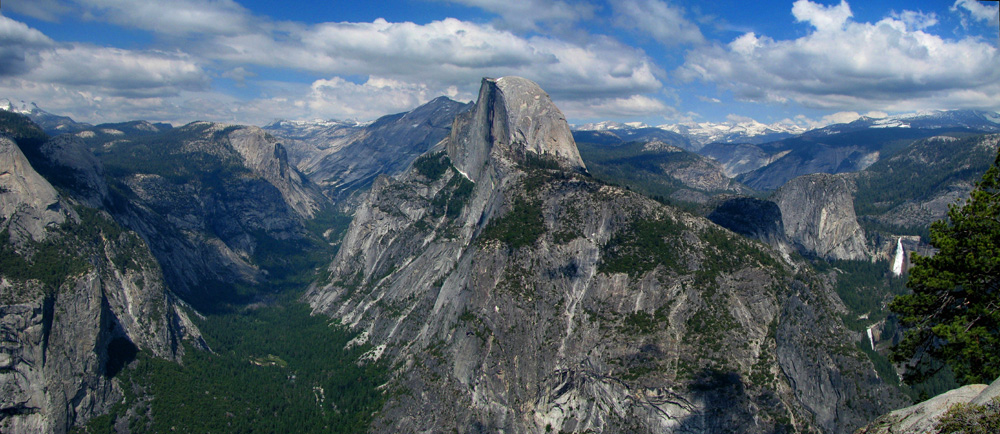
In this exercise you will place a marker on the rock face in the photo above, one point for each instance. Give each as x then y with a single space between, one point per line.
817 212
515 294
206 197
659 169
808 158
914 188
922 417
267 158
739 158
28 203
78 300
512 117
752 218
72 165
345 158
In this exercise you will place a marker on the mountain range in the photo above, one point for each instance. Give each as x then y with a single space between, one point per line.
619 278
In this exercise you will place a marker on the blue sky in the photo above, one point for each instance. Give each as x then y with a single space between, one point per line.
657 61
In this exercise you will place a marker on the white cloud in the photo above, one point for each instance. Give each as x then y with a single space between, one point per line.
916 20
87 80
529 14
340 99
824 18
616 108
979 10
29 54
422 60
46 10
239 75
174 17
447 52
117 72
19 45
658 19
887 65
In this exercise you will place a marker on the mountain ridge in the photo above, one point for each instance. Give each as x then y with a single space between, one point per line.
537 299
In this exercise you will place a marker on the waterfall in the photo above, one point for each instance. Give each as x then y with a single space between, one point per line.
897 262
870 338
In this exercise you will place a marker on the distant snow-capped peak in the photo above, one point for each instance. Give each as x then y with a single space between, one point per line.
21 107
610 125
316 123
708 132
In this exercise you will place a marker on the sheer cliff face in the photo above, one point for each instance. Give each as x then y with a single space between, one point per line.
345 158
512 117
28 203
206 197
817 213
514 293
79 297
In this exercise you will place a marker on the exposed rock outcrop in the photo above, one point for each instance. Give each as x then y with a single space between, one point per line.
28 203
206 197
79 299
344 158
73 166
512 117
922 418
268 159
817 213
516 294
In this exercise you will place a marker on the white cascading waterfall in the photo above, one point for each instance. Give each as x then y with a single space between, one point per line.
897 261
871 338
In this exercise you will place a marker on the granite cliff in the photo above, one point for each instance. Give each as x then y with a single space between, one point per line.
344 158
214 202
513 292
79 295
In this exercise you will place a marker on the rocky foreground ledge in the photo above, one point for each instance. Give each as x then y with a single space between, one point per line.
922 418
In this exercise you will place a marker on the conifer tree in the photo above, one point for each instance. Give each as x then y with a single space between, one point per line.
953 314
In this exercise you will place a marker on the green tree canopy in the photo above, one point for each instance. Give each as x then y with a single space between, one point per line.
953 314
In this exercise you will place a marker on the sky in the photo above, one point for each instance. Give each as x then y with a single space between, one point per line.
802 62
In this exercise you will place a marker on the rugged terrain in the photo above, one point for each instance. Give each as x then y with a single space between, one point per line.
214 202
513 292
344 158
660 170
79 295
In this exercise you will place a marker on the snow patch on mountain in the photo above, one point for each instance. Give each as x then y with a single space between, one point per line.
729 132
609 125
18 107
703 133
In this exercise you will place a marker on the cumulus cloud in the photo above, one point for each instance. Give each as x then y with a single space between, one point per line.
916 20
977 9
19 45
824 18
842 64
80 78
404 63
659 20
239 74
341 99
449 51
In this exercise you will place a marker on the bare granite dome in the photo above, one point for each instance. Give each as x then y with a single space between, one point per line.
512 117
